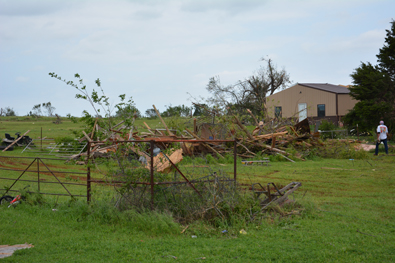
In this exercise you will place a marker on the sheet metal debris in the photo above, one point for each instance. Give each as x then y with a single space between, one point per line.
7 251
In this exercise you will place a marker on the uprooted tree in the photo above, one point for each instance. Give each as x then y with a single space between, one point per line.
250 93
374 88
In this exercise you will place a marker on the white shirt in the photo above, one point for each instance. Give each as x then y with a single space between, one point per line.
383 130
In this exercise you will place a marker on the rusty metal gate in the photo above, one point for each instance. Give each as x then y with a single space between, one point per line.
37 170
41 172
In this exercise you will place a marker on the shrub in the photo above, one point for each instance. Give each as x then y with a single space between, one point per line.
327 126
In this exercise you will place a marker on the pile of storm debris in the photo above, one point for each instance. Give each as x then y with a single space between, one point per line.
273 137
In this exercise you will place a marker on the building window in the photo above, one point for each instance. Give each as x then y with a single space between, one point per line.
321 110
278 112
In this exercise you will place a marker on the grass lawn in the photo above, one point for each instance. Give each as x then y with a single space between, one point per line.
348 216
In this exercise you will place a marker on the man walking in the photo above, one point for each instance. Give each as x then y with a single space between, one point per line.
382 132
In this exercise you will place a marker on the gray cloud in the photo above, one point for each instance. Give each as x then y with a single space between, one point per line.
154 49
228 6
31 7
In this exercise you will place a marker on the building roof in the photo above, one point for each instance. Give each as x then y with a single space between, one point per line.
327 87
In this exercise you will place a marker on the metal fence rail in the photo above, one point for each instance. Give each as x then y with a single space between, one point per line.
42 170
50 147
42 175
334 134
152 182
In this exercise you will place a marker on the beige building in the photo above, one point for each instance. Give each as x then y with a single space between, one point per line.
315 101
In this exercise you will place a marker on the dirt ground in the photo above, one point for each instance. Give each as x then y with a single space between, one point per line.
367 147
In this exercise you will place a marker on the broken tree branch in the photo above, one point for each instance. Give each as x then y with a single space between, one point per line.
244 128
256 121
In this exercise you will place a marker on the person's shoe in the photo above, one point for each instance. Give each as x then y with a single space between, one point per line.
375 154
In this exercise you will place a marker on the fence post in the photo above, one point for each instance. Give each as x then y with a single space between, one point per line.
38 174
88 175
235 159
152 173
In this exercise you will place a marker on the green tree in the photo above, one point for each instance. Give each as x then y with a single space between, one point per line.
198 109
7 111
127 110
177 111
150 113
374 88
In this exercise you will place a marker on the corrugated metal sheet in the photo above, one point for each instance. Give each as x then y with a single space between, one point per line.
346 103
290 98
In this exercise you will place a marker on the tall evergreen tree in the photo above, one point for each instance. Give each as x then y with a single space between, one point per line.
374 88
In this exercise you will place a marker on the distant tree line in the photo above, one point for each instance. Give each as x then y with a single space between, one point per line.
7 111
176 111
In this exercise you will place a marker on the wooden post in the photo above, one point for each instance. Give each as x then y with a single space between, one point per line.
149 129
86 136
38 176
273 141
235 160
152 173
163 122
93 130
88 174
16 141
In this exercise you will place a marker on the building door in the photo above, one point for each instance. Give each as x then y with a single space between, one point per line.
302 108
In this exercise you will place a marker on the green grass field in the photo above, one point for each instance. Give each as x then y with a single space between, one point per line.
347 215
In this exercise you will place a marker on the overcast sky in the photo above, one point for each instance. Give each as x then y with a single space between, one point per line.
159 51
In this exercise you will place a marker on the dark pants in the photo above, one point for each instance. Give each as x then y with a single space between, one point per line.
385 146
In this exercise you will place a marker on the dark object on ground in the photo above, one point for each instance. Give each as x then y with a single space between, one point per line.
5 200
2 147
25 140
303 126
8 137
